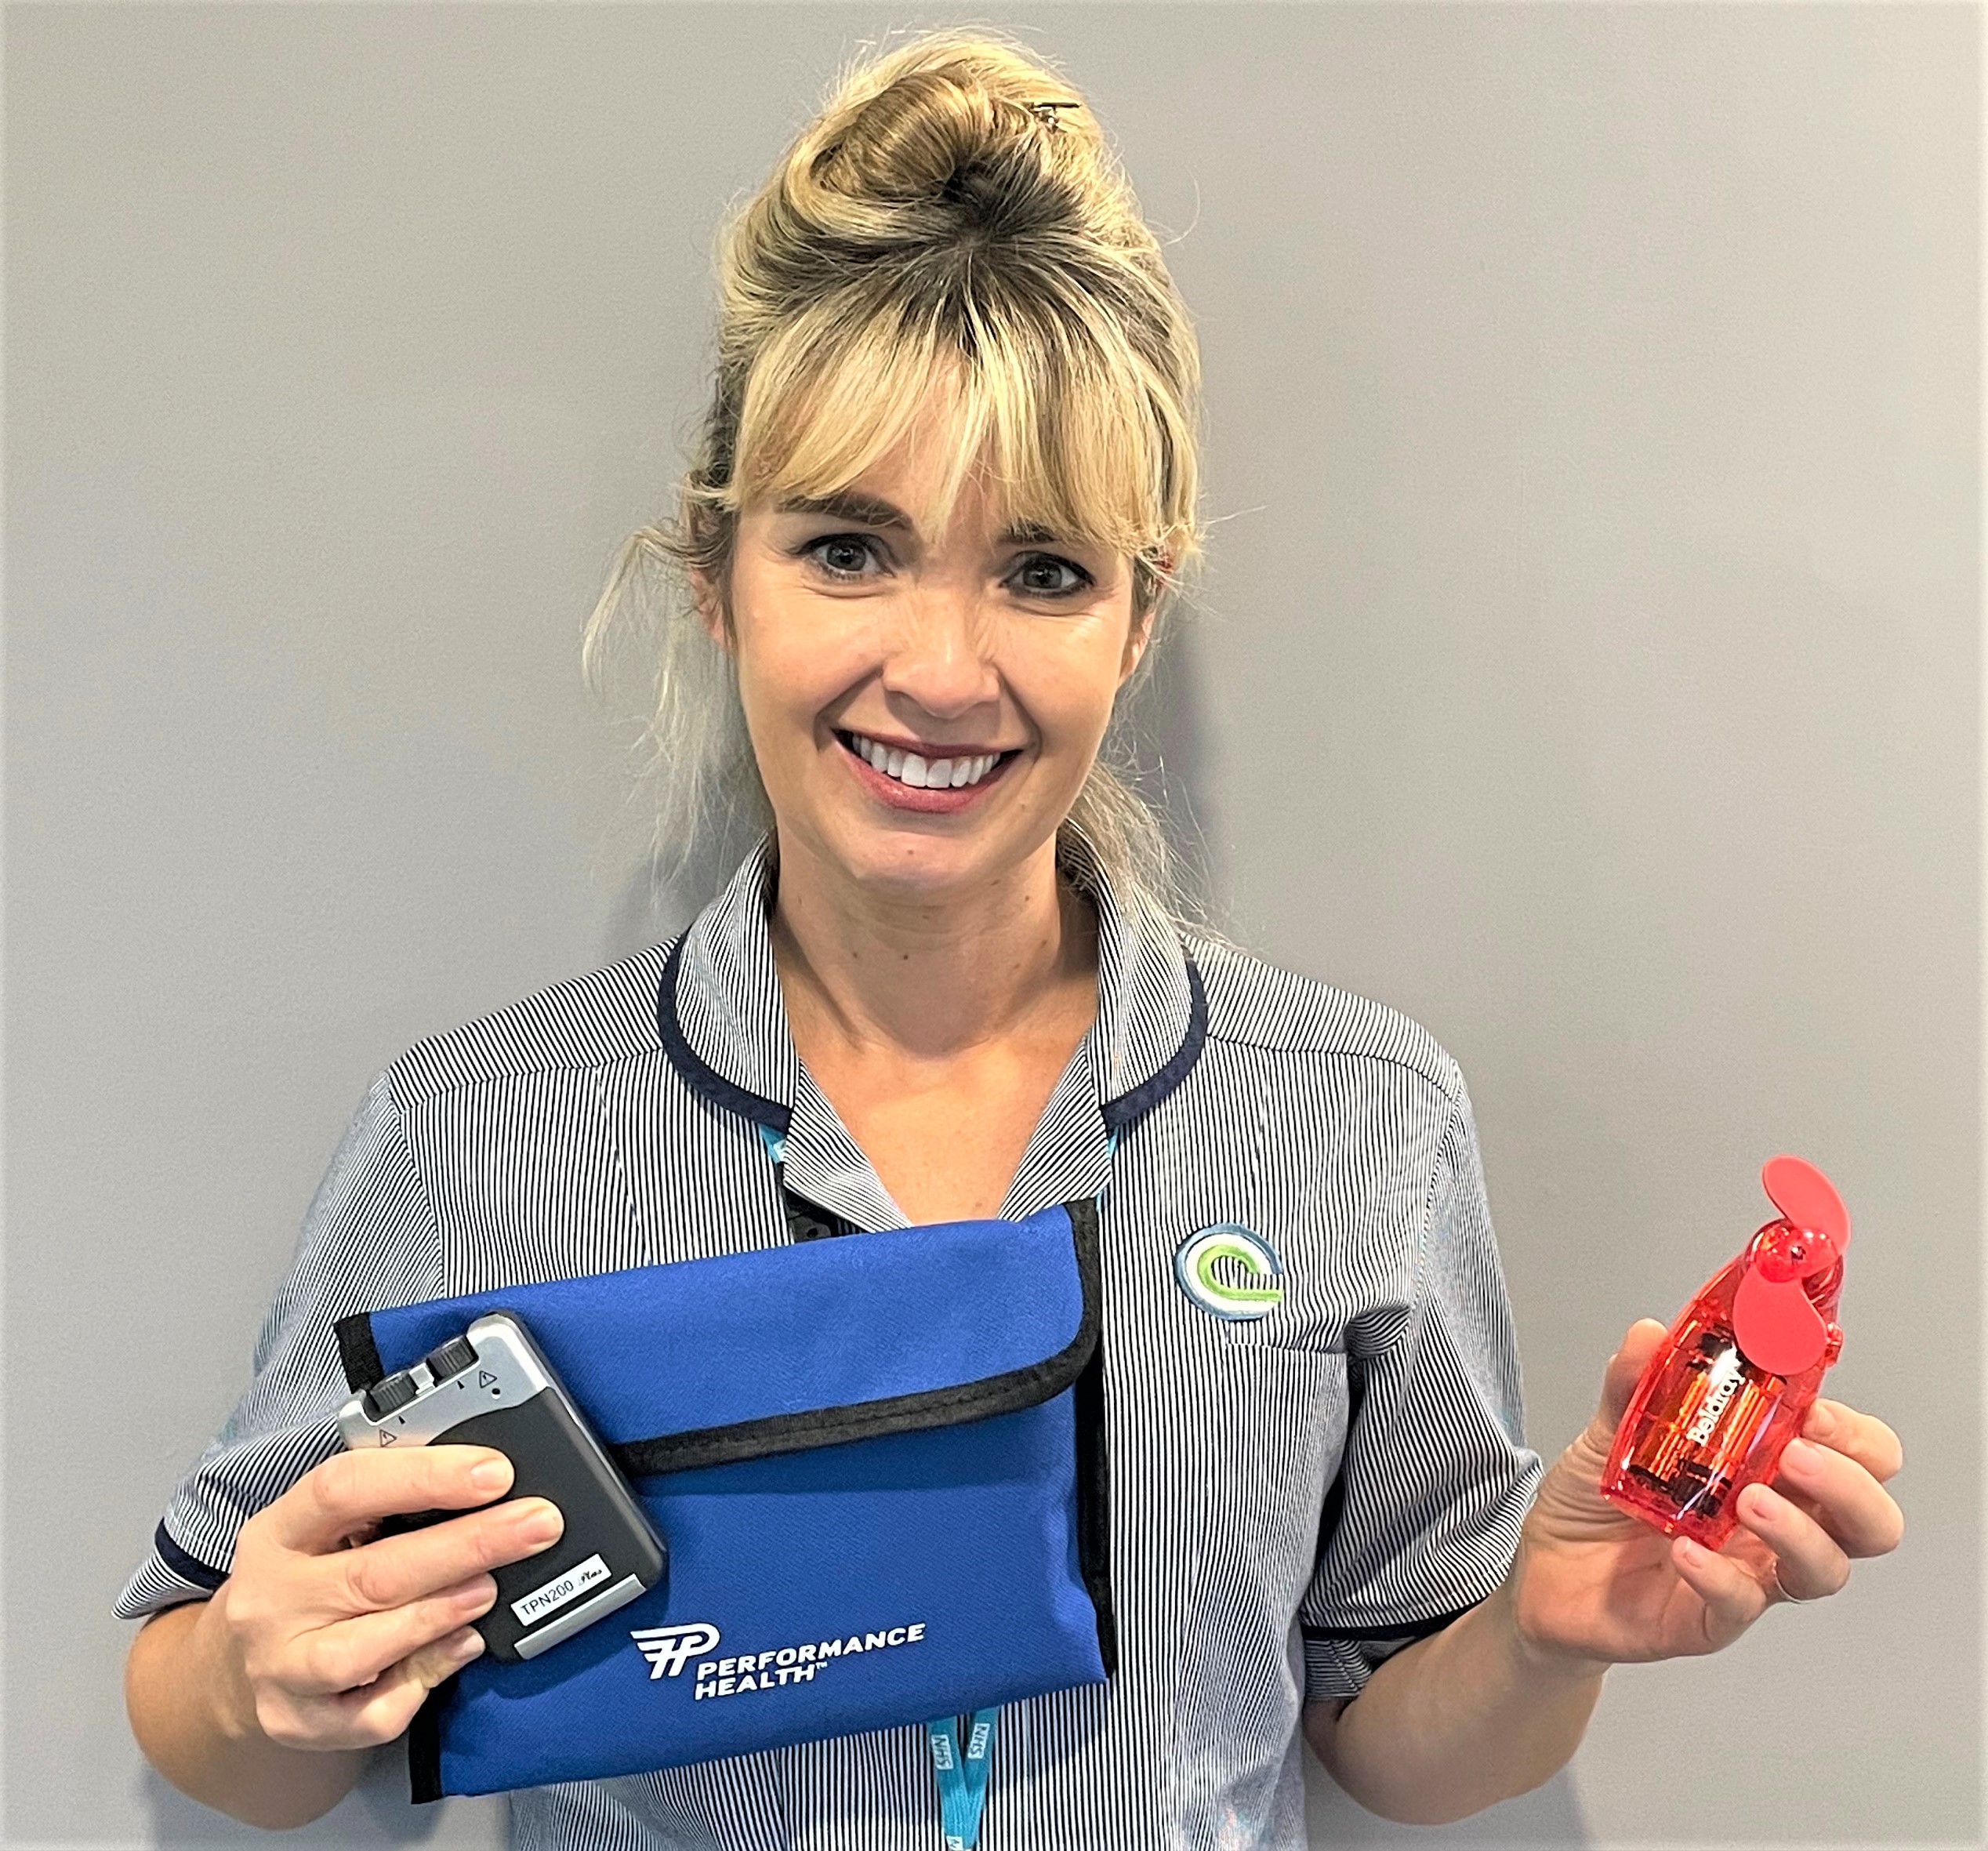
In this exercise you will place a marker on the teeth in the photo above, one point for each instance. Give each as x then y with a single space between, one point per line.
911 770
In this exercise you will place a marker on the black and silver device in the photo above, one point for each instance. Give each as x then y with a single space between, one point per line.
493 1386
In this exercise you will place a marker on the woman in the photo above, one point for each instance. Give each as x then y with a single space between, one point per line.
947 480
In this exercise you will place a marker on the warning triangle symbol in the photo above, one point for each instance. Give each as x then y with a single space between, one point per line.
386 1439
485 1379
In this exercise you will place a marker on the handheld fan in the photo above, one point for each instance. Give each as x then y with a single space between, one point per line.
1727 1388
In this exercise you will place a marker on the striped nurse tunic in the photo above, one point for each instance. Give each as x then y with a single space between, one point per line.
1312 1406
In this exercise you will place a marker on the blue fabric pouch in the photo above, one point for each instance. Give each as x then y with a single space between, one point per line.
878 1463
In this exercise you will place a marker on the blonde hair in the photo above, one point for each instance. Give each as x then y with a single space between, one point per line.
951 225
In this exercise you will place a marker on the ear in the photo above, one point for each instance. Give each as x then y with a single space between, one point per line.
1135 647
710 610
1141 632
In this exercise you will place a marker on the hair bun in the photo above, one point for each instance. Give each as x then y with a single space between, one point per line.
957 130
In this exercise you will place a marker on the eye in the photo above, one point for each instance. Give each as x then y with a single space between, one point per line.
1040 562
817 550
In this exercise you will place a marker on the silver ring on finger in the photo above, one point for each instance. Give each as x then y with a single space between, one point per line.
1796 1599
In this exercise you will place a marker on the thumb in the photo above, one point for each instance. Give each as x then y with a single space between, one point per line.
1625 1370
384 1708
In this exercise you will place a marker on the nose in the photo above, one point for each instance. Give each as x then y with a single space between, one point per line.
940 659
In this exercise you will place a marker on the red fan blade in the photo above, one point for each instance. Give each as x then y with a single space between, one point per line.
1775 1326
1807 1198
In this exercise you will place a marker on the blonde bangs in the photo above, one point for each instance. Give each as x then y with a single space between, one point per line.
1062 429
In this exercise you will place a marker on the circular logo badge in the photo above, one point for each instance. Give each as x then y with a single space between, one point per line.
1194 1266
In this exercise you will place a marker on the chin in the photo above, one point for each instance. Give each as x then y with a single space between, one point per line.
911 865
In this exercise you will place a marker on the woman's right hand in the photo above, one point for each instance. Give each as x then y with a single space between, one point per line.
335 1635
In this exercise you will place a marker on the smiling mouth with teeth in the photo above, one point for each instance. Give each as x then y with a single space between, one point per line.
916 773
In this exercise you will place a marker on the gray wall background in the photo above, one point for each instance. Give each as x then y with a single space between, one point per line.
1590 665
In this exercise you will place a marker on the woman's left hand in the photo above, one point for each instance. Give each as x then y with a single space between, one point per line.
1592 1582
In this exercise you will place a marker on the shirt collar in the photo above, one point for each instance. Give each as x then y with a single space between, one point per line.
723 1025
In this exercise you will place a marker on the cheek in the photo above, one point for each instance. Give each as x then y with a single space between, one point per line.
789 672
1069 693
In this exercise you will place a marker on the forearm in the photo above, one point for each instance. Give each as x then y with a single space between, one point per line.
1458 1721
195 1718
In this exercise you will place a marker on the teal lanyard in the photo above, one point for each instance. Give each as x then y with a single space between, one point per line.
963 1776
961 1768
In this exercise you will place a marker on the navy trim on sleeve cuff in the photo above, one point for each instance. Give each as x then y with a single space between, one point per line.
1406 1629
189 1568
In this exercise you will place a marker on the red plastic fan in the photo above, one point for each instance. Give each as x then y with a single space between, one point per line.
1776 1326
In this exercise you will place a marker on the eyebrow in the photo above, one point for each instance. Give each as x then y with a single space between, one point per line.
872 510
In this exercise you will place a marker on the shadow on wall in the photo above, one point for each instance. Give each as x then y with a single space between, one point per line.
1165 720
1549 1815
377 1813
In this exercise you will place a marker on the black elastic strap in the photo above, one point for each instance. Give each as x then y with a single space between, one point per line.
358 1351
425 1747
1094 1505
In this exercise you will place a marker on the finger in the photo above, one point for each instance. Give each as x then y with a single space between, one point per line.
1625 1369
348 1654
1733 1597
379 1711
396 1570
1860 1436
350 1490
1807 1562
387 1706
1841 1496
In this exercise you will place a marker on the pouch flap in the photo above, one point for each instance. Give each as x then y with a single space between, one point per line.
707 1361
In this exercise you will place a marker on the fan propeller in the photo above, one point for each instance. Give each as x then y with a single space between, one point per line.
1773 1321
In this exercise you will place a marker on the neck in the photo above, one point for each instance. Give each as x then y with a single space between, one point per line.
930 979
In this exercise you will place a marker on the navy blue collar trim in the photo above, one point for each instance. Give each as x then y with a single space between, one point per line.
702 1078
1117 1113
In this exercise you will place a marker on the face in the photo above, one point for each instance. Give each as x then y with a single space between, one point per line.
923 708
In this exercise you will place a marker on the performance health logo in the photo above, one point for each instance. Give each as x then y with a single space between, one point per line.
669 1649
1194 1267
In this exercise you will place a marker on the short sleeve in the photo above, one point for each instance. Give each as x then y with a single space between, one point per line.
1435 1479
370 1239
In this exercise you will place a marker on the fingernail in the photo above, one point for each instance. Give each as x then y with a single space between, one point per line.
468 1646
1766 1505
1801 1455
480 1594
492 1475
541 1524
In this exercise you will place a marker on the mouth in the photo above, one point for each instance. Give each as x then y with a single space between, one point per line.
936 779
